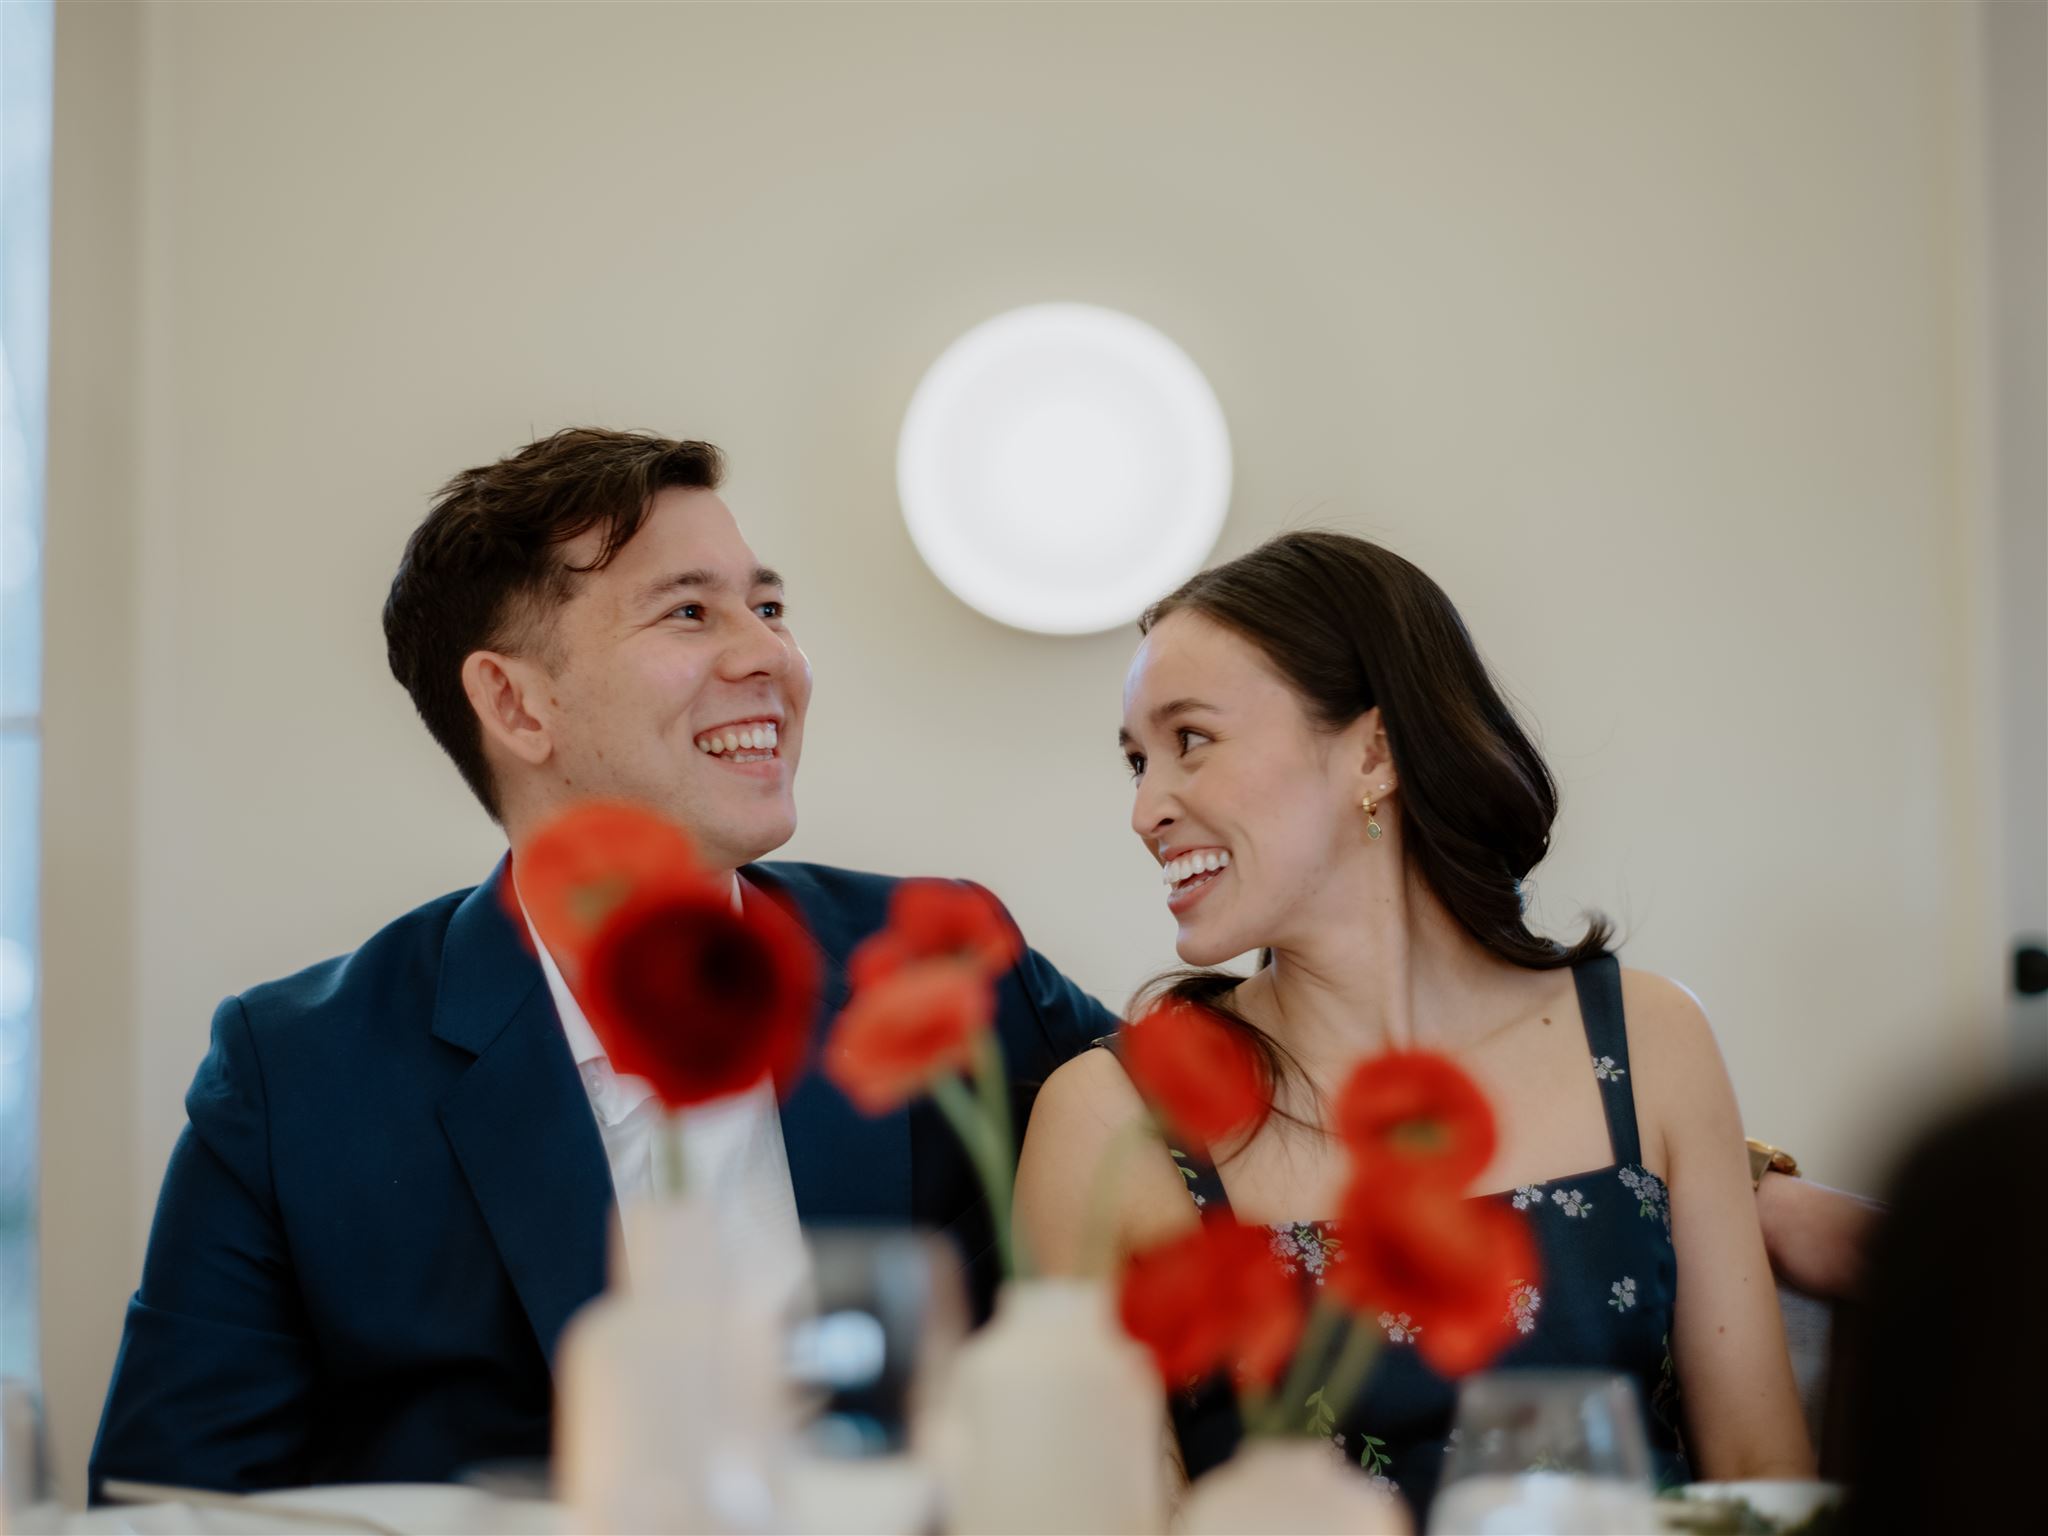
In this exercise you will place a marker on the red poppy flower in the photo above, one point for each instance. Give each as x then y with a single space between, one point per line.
698 998
1211 1299
1416 1247
1197 1073
1415 1115
905 1029
590 859
931 919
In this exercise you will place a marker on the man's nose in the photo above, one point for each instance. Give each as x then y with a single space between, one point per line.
758 651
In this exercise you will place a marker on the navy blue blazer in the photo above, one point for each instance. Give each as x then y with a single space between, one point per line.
392 1194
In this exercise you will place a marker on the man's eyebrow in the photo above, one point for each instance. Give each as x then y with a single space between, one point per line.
701 580
1167 711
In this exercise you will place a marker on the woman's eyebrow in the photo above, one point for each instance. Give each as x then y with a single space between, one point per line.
1167 711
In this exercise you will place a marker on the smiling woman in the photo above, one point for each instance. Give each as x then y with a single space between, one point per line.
1355 633
1327 775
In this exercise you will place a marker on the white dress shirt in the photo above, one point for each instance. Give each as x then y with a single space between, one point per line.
733 1153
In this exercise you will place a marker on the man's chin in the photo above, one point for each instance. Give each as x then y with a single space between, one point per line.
757 841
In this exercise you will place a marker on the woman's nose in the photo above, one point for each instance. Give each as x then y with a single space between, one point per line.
1151 812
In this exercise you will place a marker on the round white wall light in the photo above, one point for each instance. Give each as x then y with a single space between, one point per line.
1061 466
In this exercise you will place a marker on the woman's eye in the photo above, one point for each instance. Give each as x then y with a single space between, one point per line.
1136 763
1187 745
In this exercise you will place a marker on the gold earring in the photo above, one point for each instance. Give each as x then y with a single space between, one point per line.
1373 829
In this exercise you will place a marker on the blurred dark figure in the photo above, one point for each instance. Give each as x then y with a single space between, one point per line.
1949 1352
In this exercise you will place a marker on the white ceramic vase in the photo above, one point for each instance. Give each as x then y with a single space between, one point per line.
1057 1420
1290 1484
669 1402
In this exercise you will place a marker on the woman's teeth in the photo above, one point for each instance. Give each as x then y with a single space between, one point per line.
1189 865
741 743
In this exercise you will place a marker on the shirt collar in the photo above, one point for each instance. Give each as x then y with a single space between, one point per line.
583 1042
584 1045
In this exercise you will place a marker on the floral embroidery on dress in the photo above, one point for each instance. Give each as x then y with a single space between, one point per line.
1624 1295
1652 1199
1372 1453
1401 1329
1527 1195
1664 1396
1605 1069
1574 1203
1524 1301
1304 1248
1180 1161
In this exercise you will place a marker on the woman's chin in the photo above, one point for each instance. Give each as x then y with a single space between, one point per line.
1205 950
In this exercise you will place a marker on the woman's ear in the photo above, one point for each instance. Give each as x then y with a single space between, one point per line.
1375 759
512 703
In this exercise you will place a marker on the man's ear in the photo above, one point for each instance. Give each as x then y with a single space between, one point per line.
511 698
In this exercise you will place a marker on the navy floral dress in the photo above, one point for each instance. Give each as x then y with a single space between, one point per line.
1601 1301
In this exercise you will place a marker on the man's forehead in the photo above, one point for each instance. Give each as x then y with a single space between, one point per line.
686 531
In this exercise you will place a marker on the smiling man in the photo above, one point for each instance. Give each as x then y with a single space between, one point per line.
400 1166
398 1175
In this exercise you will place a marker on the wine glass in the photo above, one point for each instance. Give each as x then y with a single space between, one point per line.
1540 1451
869 1353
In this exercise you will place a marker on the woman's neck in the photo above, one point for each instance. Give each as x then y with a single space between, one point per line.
1394 971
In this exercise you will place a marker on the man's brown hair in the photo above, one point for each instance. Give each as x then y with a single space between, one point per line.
485 571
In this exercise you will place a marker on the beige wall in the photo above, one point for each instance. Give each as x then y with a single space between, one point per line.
91 1198
1654 333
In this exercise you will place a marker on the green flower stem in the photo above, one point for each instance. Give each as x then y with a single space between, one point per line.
1098 1235
992 1083
1254 1407
1354 1364
1273 1416
989 1151
671 1165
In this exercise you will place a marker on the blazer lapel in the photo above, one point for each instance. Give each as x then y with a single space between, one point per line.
519 1120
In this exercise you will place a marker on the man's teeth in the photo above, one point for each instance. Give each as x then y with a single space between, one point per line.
1189 865
739 738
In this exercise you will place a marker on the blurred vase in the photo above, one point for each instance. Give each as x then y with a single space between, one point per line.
27 1499
669 1402
1290 1484
1058 1424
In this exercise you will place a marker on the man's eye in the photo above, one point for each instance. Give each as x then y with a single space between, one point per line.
771 610
690 610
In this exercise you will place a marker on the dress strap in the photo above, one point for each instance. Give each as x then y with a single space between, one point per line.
1599 985
1205 1184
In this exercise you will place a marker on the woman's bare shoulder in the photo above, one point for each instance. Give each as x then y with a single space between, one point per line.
1089 1094
1665 1018
1076 1138
1682 1090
